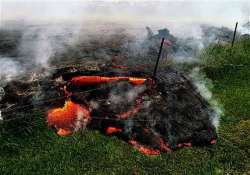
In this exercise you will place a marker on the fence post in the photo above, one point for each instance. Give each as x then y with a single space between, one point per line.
158 58
235 30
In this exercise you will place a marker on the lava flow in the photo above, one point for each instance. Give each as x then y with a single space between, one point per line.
69 118
143 149
73 116
90 80
133 109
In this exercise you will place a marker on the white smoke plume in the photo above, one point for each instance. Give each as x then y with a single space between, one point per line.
204 85
49 25
9 69
182 18
40 43
128 97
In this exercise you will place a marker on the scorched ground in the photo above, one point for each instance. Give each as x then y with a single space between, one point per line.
152 114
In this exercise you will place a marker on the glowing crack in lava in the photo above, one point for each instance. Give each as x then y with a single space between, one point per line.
144 149
151 131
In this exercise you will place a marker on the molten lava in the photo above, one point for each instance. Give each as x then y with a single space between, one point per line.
91 80
143 149
131 112
113 130
74 116
69 118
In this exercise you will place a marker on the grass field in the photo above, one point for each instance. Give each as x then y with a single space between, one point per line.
40 151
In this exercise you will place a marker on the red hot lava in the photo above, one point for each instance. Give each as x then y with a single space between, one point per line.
74 116
91 80
69 118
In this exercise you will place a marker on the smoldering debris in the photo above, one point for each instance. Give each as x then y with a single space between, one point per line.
29 47
98 83
152 115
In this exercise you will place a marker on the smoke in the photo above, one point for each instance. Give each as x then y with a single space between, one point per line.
51 28
40 44
36 46
139 12
182 18
9 69
204 85
118 96
28 48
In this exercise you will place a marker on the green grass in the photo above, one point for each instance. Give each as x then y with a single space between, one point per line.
41 151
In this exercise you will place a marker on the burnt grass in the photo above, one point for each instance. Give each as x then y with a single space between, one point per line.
39 150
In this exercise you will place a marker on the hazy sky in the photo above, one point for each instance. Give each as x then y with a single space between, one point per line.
223 12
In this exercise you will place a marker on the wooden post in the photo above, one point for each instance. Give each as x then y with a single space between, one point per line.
235 30
158 58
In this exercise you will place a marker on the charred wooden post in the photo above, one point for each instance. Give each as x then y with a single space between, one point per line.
235 30
158 58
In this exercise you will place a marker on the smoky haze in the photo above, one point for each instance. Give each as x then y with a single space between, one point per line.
160 13
65 21
49 26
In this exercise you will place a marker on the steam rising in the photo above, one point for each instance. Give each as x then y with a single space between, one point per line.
9 68
49 27
40 43
128 97
203 85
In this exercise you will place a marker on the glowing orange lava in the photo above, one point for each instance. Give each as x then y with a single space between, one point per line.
164 146
144 149
91 80
69 118
113 130
131 112
72 116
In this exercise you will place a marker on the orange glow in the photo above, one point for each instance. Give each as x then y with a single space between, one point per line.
144 149
131 112
164 146
64 132
136 81
91 80
113 130
67 118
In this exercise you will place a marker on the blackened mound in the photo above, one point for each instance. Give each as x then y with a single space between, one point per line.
173 111
170 114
